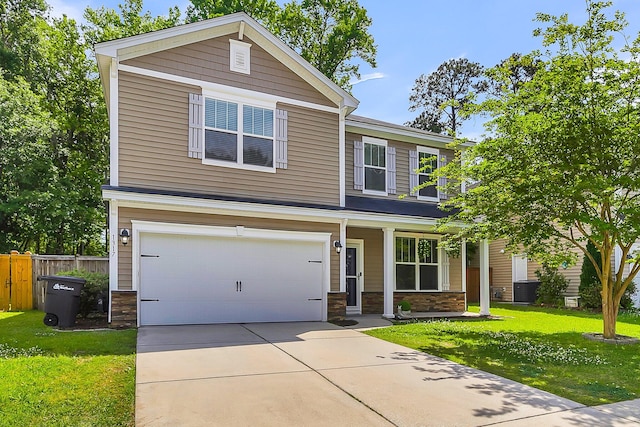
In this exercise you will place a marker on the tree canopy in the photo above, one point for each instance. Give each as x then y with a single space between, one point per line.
329 34
442 95
561 166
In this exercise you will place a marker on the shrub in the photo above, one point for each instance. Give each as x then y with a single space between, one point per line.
97 287
404 305
552 285
590 286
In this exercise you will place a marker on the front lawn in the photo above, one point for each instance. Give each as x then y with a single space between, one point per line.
540 347
64 378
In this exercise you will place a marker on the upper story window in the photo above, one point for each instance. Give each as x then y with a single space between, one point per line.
375 165
427 163
238 134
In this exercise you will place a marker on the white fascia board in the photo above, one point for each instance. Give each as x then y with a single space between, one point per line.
404 135
210 89
144 44
246 209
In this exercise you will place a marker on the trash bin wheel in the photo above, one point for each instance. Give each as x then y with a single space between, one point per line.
50 319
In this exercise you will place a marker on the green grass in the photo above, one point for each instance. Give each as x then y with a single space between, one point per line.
541 347
64 378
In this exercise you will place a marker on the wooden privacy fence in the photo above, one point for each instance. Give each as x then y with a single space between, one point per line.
16 281
49 265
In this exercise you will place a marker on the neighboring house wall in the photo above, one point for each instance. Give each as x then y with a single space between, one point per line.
153 149
455 273
208 61
127 214
502 266
402 167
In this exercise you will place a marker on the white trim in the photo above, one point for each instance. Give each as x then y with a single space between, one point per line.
215 87
343 256
253 99
140 227
381 142
417 263
436 152
237 47
463 278
113 124
412 136
181 35
485 292
342 156
246 209
358 244
114 241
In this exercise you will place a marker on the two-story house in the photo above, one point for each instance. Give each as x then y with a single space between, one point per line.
243 189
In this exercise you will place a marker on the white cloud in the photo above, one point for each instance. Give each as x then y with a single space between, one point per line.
365 77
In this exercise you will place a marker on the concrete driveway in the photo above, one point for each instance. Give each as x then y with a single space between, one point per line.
318 374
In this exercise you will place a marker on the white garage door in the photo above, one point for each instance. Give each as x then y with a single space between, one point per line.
201 279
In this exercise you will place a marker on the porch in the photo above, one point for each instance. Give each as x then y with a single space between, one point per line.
381 266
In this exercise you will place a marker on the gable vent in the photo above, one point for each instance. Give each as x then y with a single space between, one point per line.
240 59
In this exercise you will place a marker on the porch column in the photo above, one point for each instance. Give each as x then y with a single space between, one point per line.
343 255
388 272
484 278
463 278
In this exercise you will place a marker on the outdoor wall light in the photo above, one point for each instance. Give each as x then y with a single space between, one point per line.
124 236
338 246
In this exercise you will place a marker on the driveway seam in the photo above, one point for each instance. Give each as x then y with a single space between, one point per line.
224 377
324 377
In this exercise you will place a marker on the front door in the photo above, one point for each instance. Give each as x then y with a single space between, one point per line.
353 276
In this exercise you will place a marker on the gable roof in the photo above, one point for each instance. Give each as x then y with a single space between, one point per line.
144 44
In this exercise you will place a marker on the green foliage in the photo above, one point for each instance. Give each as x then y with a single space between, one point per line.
442 95
332 35
96 287
552 287
590 287
559 166
404 305
264 11
54 145
106 24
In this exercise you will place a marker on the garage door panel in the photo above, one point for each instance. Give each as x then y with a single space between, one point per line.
200 279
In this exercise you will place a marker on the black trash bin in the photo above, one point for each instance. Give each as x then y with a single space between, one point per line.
62 300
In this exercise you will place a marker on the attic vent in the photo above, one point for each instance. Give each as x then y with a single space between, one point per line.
240 57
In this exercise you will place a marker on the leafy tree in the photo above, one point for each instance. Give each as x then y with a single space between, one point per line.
18 35
264 11
106 24
26 168
442 95
514 72
330 34
562 165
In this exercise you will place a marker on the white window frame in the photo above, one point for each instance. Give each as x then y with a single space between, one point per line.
381 142
241 102
417 263
436 152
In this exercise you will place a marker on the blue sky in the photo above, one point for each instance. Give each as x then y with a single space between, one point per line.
415 36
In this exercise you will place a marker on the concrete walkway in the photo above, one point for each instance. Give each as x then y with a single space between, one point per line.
318 374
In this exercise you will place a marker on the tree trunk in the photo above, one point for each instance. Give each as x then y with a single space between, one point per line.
609 315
